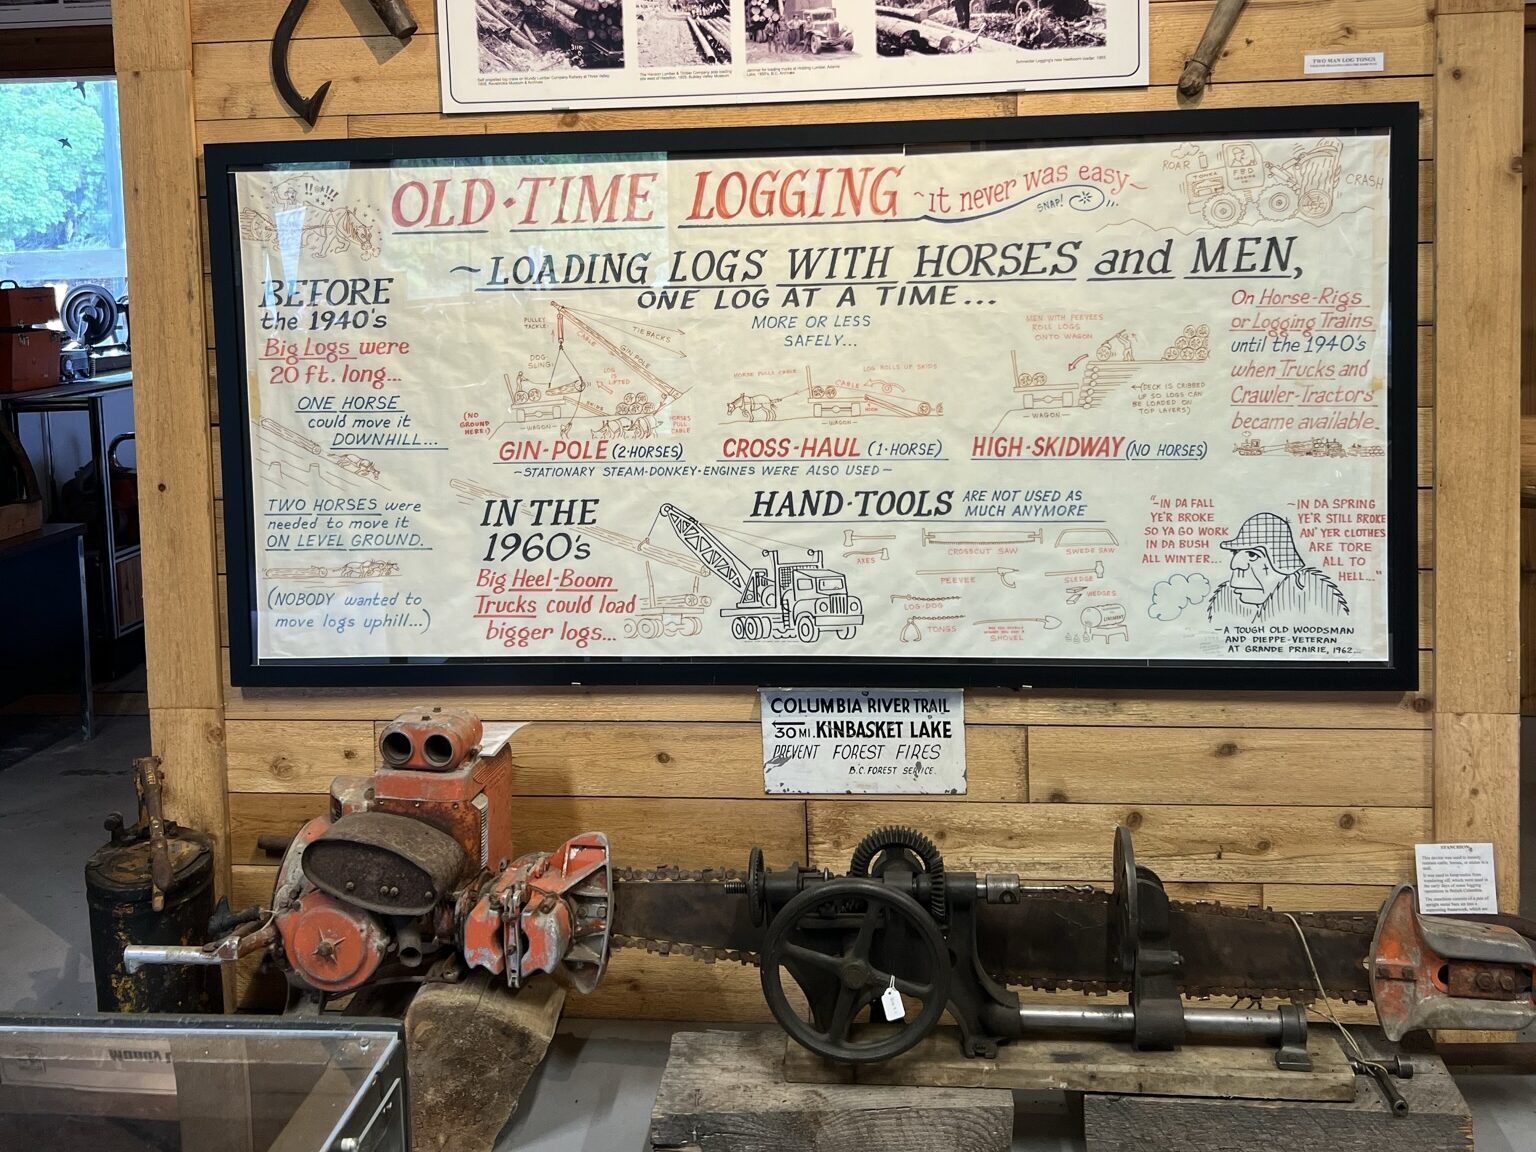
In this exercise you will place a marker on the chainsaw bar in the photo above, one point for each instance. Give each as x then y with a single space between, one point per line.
1051 940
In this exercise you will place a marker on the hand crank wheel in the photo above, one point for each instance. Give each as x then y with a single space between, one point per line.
1125 915
844 942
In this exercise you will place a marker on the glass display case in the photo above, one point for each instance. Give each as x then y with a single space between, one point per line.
80 439
202 1084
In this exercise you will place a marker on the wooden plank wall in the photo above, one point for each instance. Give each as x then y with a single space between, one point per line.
1528 369
1294 800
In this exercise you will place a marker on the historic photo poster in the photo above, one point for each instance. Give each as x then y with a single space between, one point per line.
1082 403
513 55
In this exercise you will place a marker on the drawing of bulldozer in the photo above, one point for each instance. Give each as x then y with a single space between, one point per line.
1304 185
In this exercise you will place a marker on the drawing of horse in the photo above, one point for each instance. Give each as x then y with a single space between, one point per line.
337 230
752 406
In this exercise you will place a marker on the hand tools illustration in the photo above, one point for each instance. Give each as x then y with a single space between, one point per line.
1094 573
1006 575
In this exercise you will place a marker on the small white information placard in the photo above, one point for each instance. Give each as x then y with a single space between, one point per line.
1324 63
1456 879
876 741
496 735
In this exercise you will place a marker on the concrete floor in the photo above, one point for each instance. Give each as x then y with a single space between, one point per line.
592 1094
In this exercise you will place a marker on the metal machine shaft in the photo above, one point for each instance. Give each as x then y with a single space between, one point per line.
1283 1027
135 956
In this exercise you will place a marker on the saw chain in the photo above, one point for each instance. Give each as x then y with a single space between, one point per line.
1052 939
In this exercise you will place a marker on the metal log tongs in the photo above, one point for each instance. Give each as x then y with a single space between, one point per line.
397 18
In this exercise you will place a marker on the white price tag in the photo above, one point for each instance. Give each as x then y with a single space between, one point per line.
890 1001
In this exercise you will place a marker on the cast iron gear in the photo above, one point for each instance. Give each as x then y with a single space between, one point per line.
871 853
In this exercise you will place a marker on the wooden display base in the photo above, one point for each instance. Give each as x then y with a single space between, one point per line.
470 1048
1437 1120
1092 1065
725 1092
731 1092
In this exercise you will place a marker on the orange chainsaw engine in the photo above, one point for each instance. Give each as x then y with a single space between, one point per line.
417 858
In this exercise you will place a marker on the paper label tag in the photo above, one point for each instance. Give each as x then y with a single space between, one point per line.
496 736
890 1001
1323 63
1456 879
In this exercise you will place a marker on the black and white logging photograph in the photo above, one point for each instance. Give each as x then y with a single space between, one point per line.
683 33
806 29
549 35
926 28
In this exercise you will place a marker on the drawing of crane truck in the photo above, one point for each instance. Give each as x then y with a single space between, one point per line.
780 602
1303 185
656 615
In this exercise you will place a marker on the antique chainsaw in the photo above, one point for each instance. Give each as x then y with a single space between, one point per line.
411 874
902 938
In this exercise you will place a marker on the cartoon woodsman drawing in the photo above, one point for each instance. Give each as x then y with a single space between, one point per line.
1271 583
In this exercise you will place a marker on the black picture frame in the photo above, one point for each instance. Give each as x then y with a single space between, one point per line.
1399 673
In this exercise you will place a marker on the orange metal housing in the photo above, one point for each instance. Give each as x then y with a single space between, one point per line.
334 947
430 741
471 803
550 912
1433 972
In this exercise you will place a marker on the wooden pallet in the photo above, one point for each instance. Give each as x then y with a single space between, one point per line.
1438 1120
725 1092
735 1092
1095 1065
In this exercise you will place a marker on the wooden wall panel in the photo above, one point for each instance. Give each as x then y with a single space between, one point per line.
1229 766
644 833
1233 796
1271 844
1325 897
374 75
699 760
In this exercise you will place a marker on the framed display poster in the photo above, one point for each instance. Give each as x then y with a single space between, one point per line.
516 55
1090 401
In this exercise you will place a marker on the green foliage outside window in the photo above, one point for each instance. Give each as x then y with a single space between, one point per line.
53 166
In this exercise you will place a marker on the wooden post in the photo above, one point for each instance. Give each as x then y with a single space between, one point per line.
1478 79
153 47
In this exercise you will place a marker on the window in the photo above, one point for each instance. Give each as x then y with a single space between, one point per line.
61 192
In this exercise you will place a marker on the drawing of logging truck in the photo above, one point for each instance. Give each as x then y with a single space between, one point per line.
1304 185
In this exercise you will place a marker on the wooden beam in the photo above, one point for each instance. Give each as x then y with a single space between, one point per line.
153 50
1477 790
1528 461
77 50
1478 90
1479 78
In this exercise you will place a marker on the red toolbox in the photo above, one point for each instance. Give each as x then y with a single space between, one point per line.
27 307
29 359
